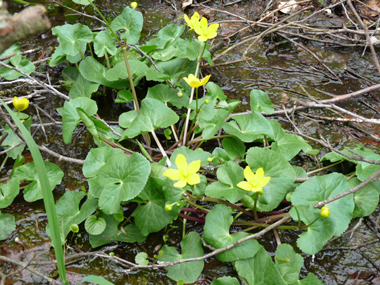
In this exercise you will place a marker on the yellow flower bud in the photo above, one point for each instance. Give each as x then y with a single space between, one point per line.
20 104
134 5
325 212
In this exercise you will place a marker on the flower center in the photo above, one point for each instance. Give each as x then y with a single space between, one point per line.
185 173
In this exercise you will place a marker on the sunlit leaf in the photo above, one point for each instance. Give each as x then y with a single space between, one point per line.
73 38
131 22
104 43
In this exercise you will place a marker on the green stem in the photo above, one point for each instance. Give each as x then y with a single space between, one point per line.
298 216
89 46
4 161
213 138
306 226
255 208
130 78
107 59
196 101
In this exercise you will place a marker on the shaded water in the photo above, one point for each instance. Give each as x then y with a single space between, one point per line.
277 68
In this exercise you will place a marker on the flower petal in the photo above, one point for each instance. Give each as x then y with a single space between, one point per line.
194 167
257 189
259 173
213 28
187 20
205 80
245 186
180 184
181 163
202 38
249 175
264 181
204 23
173 174
193 179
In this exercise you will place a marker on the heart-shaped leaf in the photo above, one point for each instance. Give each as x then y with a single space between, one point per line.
73 38
131 21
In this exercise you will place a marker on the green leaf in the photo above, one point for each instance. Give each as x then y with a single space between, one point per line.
130 233
8 192
124 96
97 158
234 147
227 280
71 118
165 94
260 102
28 172
94 71
73 38
104 43
215 91
366 199
131 21
83 2
153 115
21 63
248 127
126 119
316 235
7 225
92 278
13 49
119 71
68 210
141 258
310 280
281 173
288 145
229 175
167 35
259 269
83 88
95 225
290 271
12 139
95 127
172 69
152 217
121 179
217 234
211 127
191 247
320 188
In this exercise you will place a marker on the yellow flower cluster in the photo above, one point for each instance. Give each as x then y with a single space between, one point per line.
201 27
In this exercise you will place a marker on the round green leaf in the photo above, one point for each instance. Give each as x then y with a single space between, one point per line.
95 225
131 21
366 199
73 38
141 258
104 43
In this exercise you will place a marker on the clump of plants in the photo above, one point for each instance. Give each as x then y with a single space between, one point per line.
227 186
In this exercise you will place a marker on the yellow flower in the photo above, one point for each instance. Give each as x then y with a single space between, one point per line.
20 104
186 174
195 82
255 182
193 21
325 211
134 5
206 32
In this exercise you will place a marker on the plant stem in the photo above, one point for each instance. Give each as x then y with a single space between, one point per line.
130 78
255 208
107 59
161 148
306 226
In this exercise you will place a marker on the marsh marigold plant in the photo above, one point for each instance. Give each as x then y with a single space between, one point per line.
185 174
196 82
204 31
193 21
255 182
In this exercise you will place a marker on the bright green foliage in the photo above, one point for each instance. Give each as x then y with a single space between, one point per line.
217 234
191 155
7 225
124 96
260 102
234 147
104 43
151 216
130 233
313 240
97 158
248 127
28 172
290 270
20 62
131 22
119 71
259 269
83 88
94 126
310 280
153 115
189 272
121 179
140 258
165 94
167 35
12 139
366 199
215 91
229 175
225 281
211 127
13 49
8 192
92 278
94 71
71 118
73 38
281 173
95 225
287 145
83 2
68 210
320 188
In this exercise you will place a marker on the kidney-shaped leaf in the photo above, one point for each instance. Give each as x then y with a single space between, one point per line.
104 43
97 158
366 199
217 234
73 38
165 94
131 21
8 192
191 247
288 263
260 102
